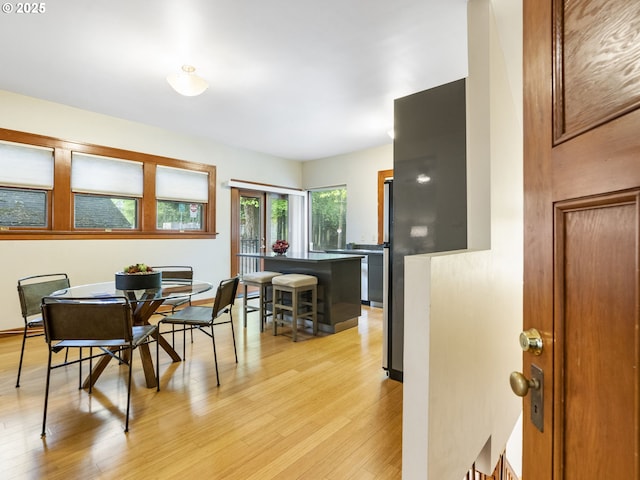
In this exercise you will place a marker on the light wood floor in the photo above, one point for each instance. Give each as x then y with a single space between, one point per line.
321 408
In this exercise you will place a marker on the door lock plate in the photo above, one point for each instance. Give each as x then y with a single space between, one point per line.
537 398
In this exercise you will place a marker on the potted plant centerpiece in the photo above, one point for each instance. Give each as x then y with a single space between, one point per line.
280 247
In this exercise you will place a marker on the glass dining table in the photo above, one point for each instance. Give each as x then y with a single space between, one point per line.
144 304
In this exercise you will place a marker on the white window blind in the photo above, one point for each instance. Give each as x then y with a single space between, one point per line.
26 165
182 185
104 175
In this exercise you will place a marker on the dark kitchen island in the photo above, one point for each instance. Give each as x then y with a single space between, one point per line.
338 283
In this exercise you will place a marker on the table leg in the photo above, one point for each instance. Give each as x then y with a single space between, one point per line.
167 347
97 371
147 365
142 312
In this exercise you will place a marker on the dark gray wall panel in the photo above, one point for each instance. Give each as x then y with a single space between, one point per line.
431 216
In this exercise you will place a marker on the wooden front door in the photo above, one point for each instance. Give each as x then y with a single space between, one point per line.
581 251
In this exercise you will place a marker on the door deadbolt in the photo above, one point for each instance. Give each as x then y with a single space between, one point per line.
531 341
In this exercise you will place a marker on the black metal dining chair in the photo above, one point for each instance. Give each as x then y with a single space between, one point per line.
31 289
105 323
181 274
204 318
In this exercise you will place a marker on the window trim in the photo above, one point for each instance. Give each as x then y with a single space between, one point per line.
382 176
60 213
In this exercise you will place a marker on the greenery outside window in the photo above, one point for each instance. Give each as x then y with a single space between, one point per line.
328 218
179 215
278 208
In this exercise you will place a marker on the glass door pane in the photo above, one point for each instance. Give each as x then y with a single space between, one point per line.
258 219
278 224
251 230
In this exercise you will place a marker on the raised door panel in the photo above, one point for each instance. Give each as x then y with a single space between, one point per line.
596 323
597 63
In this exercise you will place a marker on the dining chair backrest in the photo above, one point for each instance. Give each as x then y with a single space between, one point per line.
31 290
108 318
182 274
225 296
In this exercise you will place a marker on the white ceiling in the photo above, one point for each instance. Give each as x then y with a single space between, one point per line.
299 79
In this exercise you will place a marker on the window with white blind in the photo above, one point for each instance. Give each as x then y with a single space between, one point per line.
51 187
182 196
26 178
106 192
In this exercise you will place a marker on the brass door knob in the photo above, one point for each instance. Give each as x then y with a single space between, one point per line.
521 385
531 341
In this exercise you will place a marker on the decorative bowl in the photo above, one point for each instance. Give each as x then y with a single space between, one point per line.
138 281
138 277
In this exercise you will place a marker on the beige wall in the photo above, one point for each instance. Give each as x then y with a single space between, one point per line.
88 261
463 311
359 172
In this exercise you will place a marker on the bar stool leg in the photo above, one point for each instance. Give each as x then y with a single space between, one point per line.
261 312
245 299
294 314
314 305
277 295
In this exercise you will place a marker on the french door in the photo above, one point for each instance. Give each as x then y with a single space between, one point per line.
258 219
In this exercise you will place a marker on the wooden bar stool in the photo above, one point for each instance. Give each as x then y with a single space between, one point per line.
262 280
293 287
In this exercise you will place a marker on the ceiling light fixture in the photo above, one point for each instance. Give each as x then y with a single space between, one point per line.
186 82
